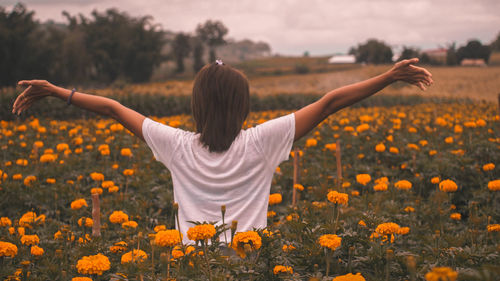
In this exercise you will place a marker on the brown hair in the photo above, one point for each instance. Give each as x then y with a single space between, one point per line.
220 104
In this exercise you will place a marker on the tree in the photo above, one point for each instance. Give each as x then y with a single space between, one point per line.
181 49
451 54
373 51
474 50
212 33
197 55
495 45
408 53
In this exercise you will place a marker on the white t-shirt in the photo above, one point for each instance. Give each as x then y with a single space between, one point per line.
239 178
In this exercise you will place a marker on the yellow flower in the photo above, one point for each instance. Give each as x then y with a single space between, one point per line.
494 185
167 238
448 186
338 198
126 152
36 251
30 239
319 205
201 232
380 147
393 150
62 147
409 209
113 189
29 180
5 221
81 279
331 146
45 158
362 223
160 228
177 251
363 127
387 228
363 178
118 217
97 176
298 186
88 222
107 184
27 219
292 153
441 274
129 224
380 187
78 204
275 198
311 142
95 264
413 146
128 172
288 248
134 256
488 167
481 123
493 227
118 247
355 193
448 140
432 152
403 185
7 249
435 180
278 269
50 180
95 190
244 242
330 241
271 214
456 216
404 230
350 277
22 162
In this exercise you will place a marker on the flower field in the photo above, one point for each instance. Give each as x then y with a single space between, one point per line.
418 200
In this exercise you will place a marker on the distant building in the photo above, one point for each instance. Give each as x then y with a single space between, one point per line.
473 62
437 55
342 59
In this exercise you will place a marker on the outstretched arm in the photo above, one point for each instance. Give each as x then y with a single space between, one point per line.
310 116
38 89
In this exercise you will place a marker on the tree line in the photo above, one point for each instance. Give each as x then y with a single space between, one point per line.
377 52
100 49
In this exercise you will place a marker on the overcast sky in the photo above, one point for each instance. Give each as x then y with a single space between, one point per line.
318 26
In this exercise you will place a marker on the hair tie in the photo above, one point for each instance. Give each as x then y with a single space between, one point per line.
219 62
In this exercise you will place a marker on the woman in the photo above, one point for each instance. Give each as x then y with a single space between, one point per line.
221 164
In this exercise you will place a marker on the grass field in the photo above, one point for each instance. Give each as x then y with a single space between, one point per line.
480 83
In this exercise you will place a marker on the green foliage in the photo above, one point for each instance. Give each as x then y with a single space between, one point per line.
474 50
408 53
181 49
373 51
212 33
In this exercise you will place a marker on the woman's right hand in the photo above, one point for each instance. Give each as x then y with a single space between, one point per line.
37 89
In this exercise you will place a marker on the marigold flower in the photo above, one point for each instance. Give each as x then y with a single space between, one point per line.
271 214
318 205
330 241
362 223
244 242
404 230
409 209
279 269
129 224
331 146
5 221
97 176
350 277
363 127
167 238
275 198
126 152
36 251
346 184
45 158
288 248
435 180
311 142
481 123
118 247
432 152
107 184
22 162
96 190
128 172
27 219
50 180
113 189
403 185
134 256
393 150
298 186
116 127
387 228
380 147
448 140
355 193
385 238
78 204
441 274
488 167
448 186
95 264
177 251
81 279
160 228
118 217
7 249
456 216
380 187
292 153
494 185
88 222
363 178
30 239
338 198
201 232
493 227
29 180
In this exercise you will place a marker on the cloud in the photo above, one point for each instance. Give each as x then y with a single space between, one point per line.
319 26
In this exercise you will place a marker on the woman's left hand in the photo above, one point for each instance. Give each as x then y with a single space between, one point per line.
37 89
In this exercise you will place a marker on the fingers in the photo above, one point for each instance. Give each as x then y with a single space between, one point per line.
24 83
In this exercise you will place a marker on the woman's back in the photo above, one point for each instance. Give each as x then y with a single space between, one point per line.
239 178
